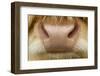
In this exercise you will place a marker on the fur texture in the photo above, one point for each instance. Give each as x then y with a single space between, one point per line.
37 50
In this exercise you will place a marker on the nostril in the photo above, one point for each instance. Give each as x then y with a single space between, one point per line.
44 32
73 31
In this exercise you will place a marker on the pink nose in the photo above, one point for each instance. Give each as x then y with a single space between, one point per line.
59 38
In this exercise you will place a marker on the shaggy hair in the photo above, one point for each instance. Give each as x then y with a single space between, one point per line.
37 50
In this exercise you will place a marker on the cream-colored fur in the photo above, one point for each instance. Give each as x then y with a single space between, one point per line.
37 50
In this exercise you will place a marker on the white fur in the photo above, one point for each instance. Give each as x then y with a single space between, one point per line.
36 47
